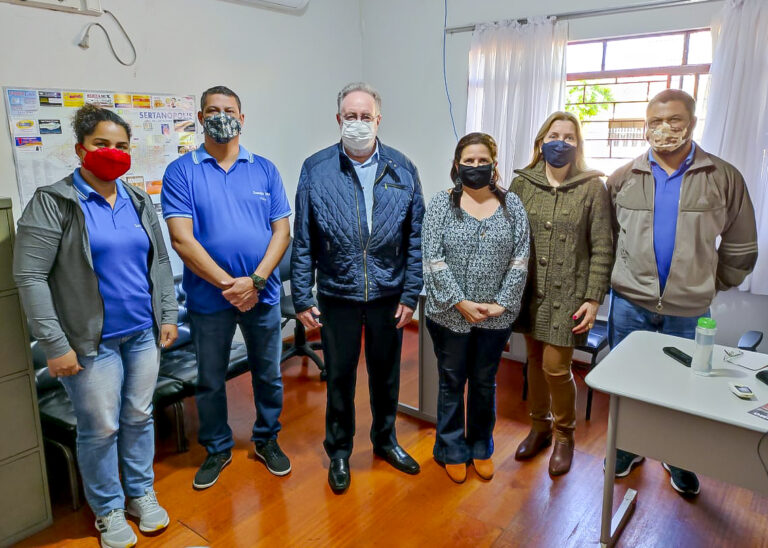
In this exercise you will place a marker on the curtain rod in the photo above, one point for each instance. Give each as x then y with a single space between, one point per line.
597 12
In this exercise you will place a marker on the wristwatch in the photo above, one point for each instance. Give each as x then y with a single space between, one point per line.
258 282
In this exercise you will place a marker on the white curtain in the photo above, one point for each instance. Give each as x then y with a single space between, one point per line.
516 79
737 110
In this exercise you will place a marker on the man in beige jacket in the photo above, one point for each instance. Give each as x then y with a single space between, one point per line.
669 207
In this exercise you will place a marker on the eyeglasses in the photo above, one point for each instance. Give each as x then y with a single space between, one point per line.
367 118
731 355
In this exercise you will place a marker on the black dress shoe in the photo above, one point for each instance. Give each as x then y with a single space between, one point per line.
398 458
338 475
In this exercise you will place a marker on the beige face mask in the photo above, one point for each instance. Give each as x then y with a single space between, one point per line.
665 138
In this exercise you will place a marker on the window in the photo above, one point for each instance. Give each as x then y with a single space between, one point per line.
611 81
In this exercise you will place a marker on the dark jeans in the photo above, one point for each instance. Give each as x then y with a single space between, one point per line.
343 322
212 336
466 359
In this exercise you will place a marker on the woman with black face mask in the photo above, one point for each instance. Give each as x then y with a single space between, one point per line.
569 272
475 253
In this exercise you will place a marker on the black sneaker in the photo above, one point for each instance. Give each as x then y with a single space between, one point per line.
684 482
211 468
273 457
625 462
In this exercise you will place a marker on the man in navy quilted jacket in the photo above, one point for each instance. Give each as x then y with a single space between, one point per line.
357 234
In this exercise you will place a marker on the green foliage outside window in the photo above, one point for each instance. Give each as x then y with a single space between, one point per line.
587 100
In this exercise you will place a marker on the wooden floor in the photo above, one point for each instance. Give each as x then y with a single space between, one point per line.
521 506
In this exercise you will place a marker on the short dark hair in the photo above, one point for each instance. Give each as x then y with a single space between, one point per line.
89 116
219 90
675 95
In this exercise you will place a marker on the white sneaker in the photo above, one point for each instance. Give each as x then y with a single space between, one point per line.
152 516
115 531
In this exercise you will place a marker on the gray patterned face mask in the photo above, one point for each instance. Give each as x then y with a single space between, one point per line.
222 128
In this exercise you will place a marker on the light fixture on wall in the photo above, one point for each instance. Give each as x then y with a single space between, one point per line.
286 5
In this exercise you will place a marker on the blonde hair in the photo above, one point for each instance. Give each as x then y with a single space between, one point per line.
579 160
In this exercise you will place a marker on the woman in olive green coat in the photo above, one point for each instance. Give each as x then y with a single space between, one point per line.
569 272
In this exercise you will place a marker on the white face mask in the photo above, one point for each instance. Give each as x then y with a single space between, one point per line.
665 138
358 136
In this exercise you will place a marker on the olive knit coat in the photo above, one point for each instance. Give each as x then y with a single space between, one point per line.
571 250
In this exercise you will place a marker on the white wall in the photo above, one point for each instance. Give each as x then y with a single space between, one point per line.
402 54
287 68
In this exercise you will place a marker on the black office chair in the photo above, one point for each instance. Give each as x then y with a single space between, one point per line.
300 345
597 340
750 340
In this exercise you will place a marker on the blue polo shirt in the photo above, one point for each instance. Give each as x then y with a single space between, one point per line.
120 255
366 174
232 214
666 203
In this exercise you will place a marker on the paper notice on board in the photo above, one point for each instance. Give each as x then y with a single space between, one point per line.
22 101
24 127
123 100
29 144
50 98
103 100
73 99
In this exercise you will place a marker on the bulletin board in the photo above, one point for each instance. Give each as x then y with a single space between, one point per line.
163 127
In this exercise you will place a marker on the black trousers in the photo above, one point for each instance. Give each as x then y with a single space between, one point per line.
343 321
468 360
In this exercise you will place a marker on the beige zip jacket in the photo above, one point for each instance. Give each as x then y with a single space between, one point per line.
714 201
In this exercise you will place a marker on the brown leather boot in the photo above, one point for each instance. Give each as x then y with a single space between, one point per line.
533 444
562 456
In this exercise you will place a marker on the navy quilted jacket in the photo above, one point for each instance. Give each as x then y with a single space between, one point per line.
331 234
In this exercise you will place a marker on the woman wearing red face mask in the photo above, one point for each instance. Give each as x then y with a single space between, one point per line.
96 284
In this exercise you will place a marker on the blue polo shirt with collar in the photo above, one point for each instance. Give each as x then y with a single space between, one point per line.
120 257
666 203
232 214
366 174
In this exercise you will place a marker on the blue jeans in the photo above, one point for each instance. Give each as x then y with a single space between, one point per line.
212 336
112 399
471 360
626 317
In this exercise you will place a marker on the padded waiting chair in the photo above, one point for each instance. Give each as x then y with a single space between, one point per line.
300 345
597 340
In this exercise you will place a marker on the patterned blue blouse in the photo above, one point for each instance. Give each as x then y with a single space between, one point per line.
485 261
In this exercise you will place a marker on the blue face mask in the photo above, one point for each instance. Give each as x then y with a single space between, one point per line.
558 153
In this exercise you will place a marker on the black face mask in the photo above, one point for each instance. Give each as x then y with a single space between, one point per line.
476 177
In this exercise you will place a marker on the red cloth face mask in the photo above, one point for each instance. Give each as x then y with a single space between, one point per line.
106 163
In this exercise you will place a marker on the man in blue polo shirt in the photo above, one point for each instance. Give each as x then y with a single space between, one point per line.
227 215
670 205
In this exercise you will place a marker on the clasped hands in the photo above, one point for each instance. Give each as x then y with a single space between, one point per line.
240 293
477 312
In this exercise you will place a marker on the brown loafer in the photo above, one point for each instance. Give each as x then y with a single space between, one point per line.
533 444
562 456
484 468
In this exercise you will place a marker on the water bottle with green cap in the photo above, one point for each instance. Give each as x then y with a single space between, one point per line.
705 343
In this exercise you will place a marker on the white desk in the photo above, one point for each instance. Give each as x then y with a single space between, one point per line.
661 409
